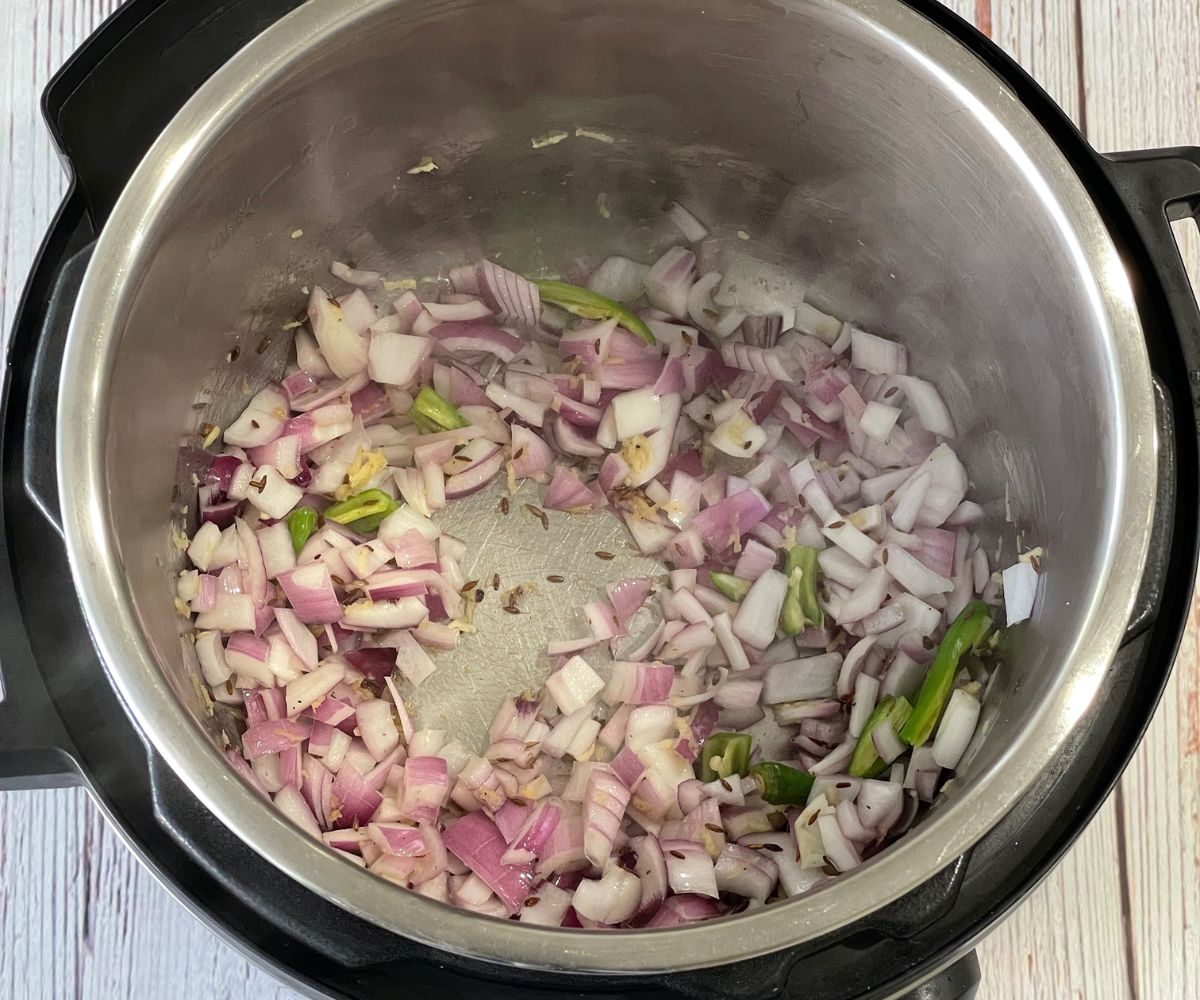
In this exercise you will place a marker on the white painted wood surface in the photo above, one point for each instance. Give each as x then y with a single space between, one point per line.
1118 920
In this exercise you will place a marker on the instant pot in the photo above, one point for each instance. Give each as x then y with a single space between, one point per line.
221 151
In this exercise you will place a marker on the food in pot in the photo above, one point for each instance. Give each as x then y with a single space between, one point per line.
799 486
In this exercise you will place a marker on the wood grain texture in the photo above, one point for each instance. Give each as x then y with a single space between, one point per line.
80 918
1141 63
1048 949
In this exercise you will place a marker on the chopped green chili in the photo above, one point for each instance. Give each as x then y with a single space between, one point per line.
801 607
724 755
587 304
733 587
866 762
781 785
364 511
431 412
301 522
969 629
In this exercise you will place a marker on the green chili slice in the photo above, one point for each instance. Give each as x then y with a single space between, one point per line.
801 607
969 629
733 587
587 304
866 762
724 755
781 785
431 412
301 522
364 511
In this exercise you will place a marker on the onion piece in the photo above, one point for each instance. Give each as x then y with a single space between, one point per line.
619 279
928 404
693 229
1020 591
758 613
669 280
809 679
511 297
956 729
344 349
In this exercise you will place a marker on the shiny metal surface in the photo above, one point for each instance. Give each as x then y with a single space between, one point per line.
869 157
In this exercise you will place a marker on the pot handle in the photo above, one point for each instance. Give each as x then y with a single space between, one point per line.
35 749
1159 187
41 417
178 44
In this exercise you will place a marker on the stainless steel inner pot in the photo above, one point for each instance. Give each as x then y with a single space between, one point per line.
870 159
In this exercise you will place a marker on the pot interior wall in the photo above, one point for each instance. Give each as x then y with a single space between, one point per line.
853 167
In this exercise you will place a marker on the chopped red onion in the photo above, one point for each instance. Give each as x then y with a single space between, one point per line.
860 466
511 297
669 280
689 868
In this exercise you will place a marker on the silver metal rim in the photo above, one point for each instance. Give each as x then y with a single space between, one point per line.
133 670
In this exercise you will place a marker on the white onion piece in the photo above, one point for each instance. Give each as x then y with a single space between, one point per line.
531 412
291 803
866 597
727 322
841 853
376 727
810 320
878 419
403 612
669 280
735 653
271 493
310 687
344 349
309 357
738 435
866 693
956 729
903 677
693 229
261 421
887 743
853 542
212 658
395 358
551 906
1020 591
574 684
689 868
911 574
203 545
354 276
619 279
877 355
636 412
927 402
758 613
701 309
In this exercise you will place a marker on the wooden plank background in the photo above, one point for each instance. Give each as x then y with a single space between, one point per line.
1118 920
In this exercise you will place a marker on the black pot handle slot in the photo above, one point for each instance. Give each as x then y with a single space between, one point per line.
101 111
41 417
1160 187
35 750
